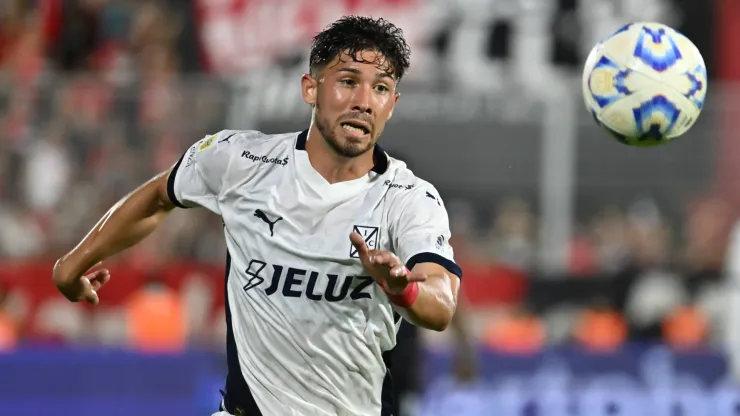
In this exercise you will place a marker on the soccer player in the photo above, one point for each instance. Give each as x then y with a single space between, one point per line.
329 238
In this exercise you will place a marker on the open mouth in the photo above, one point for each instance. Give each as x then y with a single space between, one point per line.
355 128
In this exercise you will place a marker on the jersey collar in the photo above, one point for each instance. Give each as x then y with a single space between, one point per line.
380 159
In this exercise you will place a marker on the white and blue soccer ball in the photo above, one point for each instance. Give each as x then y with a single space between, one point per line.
645 84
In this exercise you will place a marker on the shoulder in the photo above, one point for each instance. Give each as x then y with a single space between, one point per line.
415 187
226 139
229 154
409 192
226 145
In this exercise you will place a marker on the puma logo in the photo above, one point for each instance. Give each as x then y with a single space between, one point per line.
261 215
429 195
226 140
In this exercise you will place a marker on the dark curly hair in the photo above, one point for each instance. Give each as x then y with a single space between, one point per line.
353 34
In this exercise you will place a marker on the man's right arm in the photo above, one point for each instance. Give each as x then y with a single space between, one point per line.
194 181
128 222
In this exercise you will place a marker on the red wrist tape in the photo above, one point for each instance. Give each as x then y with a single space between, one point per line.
407 297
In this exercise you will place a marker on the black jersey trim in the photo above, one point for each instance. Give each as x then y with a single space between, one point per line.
435 258
171 183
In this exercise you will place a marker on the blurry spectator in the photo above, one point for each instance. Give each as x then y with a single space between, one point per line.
21 42
558 322
582 259
197 300
12 13
713 302
21 235
686 328
155 26
43 156
59 321
8 324
465 343
158 67
653 296
732 286
511 238
109 326
609 229
77 34
462 219
199 237
600 328
707 225
156 319
18 116
648 235
518 332
487 282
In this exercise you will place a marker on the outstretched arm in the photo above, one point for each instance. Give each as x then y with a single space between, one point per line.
195 180
425 295
421 277
128 222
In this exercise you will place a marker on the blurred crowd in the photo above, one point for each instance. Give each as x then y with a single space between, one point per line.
92 99
633 275
98 95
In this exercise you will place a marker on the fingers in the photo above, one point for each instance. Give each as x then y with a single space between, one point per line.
88 293
92 282
385 258
408 275
375 257
99 278
399 271
359 243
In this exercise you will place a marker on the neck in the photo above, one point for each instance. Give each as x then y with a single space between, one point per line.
333 166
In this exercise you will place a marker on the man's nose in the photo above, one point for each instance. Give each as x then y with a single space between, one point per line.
362 100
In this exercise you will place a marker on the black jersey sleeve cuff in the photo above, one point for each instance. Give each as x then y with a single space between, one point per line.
434 258
171 183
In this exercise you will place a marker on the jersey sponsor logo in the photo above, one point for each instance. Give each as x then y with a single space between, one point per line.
293 282
392 185
253 271
261 215
264 159
370 234
208 142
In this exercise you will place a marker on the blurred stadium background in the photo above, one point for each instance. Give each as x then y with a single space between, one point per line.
599 279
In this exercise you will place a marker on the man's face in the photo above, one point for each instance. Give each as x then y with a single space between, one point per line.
353 99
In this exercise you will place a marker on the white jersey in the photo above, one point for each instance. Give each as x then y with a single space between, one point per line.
307 328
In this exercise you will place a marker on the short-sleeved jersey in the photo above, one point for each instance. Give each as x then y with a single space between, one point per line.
307 327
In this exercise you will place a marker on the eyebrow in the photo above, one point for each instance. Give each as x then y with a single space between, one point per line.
382 74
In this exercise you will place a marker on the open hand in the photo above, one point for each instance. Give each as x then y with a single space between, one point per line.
385 267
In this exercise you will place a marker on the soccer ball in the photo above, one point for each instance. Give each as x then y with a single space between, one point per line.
645 84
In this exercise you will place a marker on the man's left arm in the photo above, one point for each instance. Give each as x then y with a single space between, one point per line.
420 277
436 302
